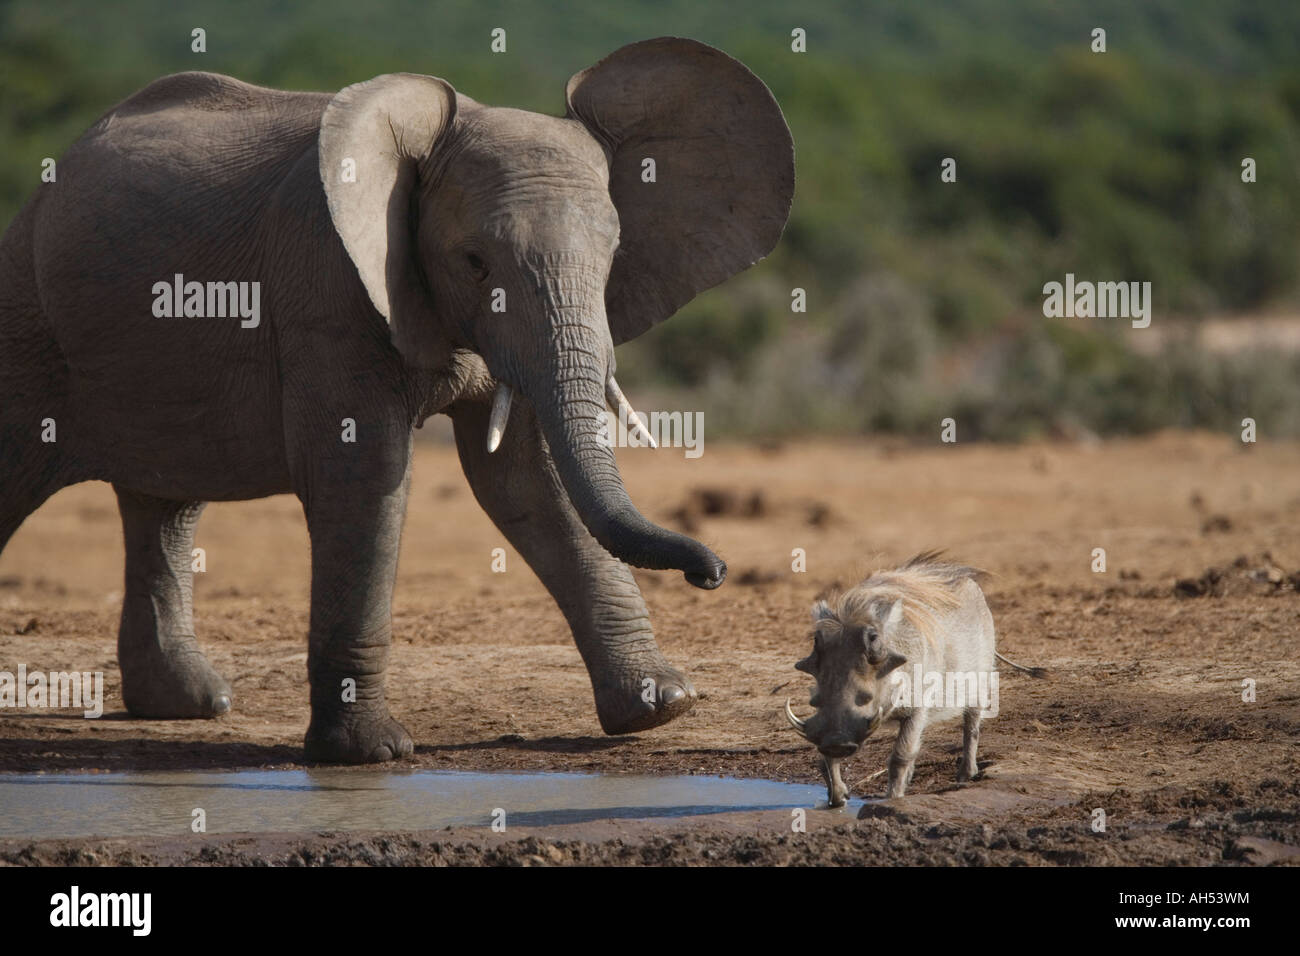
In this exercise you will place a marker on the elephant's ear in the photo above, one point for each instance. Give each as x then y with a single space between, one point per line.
723 171
373 139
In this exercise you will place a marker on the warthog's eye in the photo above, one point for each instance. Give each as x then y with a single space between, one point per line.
864 697
477 265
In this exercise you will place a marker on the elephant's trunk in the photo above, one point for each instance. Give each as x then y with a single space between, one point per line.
569 399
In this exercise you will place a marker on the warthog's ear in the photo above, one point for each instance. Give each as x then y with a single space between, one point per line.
892 663
820 612
894 616
804 665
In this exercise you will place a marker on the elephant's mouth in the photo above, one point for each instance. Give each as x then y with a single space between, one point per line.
503 398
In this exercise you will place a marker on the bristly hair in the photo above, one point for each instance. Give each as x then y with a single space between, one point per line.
926 585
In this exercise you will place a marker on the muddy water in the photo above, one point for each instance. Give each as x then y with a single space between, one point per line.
43 806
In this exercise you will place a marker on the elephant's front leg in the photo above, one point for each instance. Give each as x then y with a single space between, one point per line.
355 501
635 686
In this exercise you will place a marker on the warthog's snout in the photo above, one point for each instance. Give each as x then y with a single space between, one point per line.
838 750
835 744
836 732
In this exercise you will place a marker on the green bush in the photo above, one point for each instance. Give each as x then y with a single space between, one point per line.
1124 166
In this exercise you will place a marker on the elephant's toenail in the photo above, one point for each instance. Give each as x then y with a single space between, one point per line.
221 705
671 694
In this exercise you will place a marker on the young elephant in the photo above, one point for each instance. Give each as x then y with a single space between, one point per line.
231 292
927 615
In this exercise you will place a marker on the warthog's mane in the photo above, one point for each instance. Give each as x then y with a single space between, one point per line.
927 586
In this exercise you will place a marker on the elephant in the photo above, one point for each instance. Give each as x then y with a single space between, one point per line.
381 229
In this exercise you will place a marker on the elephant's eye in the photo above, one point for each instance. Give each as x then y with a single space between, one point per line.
477 265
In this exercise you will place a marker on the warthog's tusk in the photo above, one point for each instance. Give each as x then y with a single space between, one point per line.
618 401
500 415
795 722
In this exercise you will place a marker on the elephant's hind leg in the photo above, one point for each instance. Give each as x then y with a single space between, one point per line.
21 490
35 428
164 674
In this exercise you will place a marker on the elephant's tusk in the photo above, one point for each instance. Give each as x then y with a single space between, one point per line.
618 401
795 722
500 415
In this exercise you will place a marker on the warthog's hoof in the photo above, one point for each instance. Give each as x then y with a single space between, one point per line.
645 700
343 736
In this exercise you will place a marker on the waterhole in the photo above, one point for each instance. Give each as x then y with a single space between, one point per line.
47 806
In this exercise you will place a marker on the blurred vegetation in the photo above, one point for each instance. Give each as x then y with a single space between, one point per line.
924 298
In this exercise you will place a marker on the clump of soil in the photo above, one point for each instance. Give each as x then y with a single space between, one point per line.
1216 524
1259 575
752 577
715 502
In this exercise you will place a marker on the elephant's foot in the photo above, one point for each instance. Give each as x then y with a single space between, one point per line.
351 734
643 697
174 681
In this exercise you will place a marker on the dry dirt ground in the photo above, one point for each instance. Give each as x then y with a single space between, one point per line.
1142 716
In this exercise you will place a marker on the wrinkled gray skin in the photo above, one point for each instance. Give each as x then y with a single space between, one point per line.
375 306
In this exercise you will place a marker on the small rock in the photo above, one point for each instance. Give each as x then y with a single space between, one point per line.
1215 524
819 514
1260 851
883 811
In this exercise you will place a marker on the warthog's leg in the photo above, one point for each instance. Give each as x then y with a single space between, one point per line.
970 742
903 760
837 791
164 674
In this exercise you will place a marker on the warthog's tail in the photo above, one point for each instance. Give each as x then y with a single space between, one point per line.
1031 671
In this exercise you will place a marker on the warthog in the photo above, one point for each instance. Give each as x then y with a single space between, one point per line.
928 615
